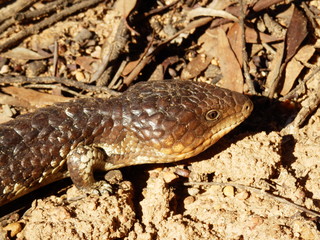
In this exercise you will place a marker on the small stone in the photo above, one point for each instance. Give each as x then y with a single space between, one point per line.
188 200
80 77
83 35
193 191
113 176
228 191
14 228
96 53
4 69
242 195
35 68
169 176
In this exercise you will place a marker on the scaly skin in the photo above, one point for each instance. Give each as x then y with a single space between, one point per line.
152 122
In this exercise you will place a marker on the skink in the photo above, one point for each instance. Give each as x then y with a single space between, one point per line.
152 122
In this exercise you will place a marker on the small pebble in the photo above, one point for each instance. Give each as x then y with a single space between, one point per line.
243 195
14 228
188 200
83 35
80 76
193 191
182 172
169 176
228 191
4 69
113 176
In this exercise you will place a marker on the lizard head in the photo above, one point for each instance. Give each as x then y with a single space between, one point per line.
174 120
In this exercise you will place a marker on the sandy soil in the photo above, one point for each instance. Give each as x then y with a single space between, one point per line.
155 204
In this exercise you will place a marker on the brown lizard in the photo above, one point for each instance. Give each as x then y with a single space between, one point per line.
152 122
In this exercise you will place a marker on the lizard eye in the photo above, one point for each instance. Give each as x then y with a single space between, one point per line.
212 115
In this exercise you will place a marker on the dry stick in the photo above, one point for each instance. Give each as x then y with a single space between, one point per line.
305 111
55 58
52 86
194 24
117 75
54 6
121 37
14 8
158 10
16 39
244 52
301 85
313 104
309 15
276 81
258 191
64 81
143 60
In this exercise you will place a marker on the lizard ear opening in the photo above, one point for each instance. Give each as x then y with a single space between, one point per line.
212 115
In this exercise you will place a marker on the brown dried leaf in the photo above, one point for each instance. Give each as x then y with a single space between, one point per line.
13 101
297 31
196 66
252 36
34 98
207 41
200 11
235 39
230 68
295 67
24 54
85 63
263 4
125 6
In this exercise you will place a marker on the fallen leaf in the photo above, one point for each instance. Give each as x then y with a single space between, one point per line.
252 36
207 41
235 40
125 7
295 67
263 4
13 101
85 63
24 54
197 12
297 31
34 98
230 67
196 66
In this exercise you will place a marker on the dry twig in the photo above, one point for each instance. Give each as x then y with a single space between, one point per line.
257 191
244 52
16 39
64 81
14 8
31 14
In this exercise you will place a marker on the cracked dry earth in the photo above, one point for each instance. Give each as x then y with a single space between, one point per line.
153 202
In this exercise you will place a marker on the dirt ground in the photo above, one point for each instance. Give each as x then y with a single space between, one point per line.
155 204
258 182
